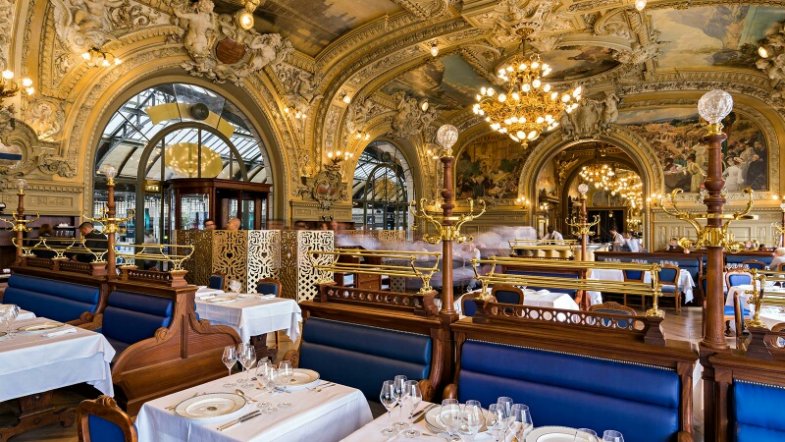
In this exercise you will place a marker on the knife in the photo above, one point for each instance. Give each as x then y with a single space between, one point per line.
239 420
420 415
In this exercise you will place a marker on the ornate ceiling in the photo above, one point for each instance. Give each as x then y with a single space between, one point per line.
365 67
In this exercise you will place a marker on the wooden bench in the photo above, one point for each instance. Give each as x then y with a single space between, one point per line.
162 347
579 369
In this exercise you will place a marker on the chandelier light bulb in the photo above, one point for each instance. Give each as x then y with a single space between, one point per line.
764 52
30 90
347 98
8 75
245 19
27 82
21 184
640 5
434 49
86 56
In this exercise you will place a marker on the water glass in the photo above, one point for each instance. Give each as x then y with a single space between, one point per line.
505 410
399 383
474 417
521 422
450 415
412 396
246 354
612 436
229 358
388 398
282 376
494 420
12 311
585 435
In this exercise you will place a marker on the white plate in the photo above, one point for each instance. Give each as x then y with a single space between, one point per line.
221 299
40 328
433 419
211 406
553 434
300 378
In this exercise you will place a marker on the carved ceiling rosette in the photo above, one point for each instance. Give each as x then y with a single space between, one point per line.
222 51
326 187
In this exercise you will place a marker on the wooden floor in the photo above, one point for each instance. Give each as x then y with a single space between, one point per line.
682 327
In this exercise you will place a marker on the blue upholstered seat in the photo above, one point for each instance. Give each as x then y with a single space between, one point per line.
468 306
729 311
58 300
757 412
215 282
508 296
132 317
267 288
739 279
103 430
633 275
577 391
361 356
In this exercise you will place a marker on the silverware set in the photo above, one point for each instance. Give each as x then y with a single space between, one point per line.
322 387
239 420
420 415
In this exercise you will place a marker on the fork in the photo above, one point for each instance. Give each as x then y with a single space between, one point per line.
322 387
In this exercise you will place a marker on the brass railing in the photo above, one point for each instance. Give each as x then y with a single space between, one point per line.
61 247
174 254
760 296
652 288
330 264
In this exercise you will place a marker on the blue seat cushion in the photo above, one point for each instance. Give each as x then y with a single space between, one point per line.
668 275
132 317
669 289
740 279
572 390
58 300
361 356
266 288
103 430
468 306
508 296
757 412
730 311
215 282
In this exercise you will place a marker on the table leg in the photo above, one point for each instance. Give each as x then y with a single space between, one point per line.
37 411
260 344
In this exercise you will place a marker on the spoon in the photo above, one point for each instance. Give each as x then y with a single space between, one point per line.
242 393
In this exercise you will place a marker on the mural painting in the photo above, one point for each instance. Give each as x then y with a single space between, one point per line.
489 168
676 136
722 35
578 62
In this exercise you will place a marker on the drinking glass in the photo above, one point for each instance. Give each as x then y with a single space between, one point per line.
399 383
234 286
388 398
612 436
229 358
412 396
13 312
450 415
521 422
505 410
585 435
493 421
474 416
246 354
282 376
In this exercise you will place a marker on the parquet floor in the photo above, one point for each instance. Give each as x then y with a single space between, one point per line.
684 327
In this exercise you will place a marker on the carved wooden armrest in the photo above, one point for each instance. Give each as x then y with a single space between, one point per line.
450 391
685 437
427 390
293 356
88 321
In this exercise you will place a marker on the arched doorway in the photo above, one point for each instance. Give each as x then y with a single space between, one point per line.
382 188
173 131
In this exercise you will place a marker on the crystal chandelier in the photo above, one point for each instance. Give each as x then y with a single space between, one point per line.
98 57
527 106
622 182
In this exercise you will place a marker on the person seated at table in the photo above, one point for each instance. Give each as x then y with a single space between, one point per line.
673 245
778 258
94 241
209 224
45 231
233 224
617 239
553 235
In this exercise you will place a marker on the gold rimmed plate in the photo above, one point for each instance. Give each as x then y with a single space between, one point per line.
40 328
211 406
555 434
300 378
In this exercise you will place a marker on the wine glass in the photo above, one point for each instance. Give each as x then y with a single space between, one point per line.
282 376
246 354
229 358
388 398
492 421
612 436
505 411
585 435
235 286
400 383
13 312
521 423
450 415
474 416
412 396
264 375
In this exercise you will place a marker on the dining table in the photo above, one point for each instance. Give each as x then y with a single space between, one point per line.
686 283
536 298
769 314
323 412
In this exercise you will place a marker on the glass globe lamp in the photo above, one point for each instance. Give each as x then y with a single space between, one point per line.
447 136
713 106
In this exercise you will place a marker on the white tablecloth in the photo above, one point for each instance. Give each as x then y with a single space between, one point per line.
31 363
254 315
24 314
686 283
204 291
540 298
769 313
323 416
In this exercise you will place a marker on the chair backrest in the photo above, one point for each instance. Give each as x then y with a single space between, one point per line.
216 281
633 275
269 286
668 274
468 306
58 300
613 308
507 294
754 264
132 317
732 279
101 420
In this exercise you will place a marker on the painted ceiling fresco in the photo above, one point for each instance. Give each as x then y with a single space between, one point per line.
578 62
712 35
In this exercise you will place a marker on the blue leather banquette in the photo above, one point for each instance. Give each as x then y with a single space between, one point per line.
53 299
740 258
132 317
363 356
757 414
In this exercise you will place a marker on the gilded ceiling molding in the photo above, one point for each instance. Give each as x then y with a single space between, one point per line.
39 158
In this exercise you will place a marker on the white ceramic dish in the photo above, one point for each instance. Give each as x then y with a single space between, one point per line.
300 378
40 328
434 421
554 434
221 299
211 407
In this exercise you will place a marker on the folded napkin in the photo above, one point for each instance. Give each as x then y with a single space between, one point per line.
269 296
65 331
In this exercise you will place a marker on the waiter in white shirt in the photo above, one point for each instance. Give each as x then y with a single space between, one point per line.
553 235
633 244
617 239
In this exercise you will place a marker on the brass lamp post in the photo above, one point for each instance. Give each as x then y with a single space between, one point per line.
448 225
18 222
582 227
109 220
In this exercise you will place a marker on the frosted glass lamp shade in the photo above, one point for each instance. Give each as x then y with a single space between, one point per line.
583 188
715 105
108 170
447 136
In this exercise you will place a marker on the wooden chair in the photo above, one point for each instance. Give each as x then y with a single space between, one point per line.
507 294
633 276
737 314
669 278
734 278
270 286
101 420
216 281
613 308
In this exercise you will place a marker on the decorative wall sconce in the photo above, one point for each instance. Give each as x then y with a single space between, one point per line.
640 5
244 17
336 156
362 136
296 113
523 202
434 49
99 57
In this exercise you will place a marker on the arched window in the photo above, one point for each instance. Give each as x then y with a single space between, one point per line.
382 189
179 131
